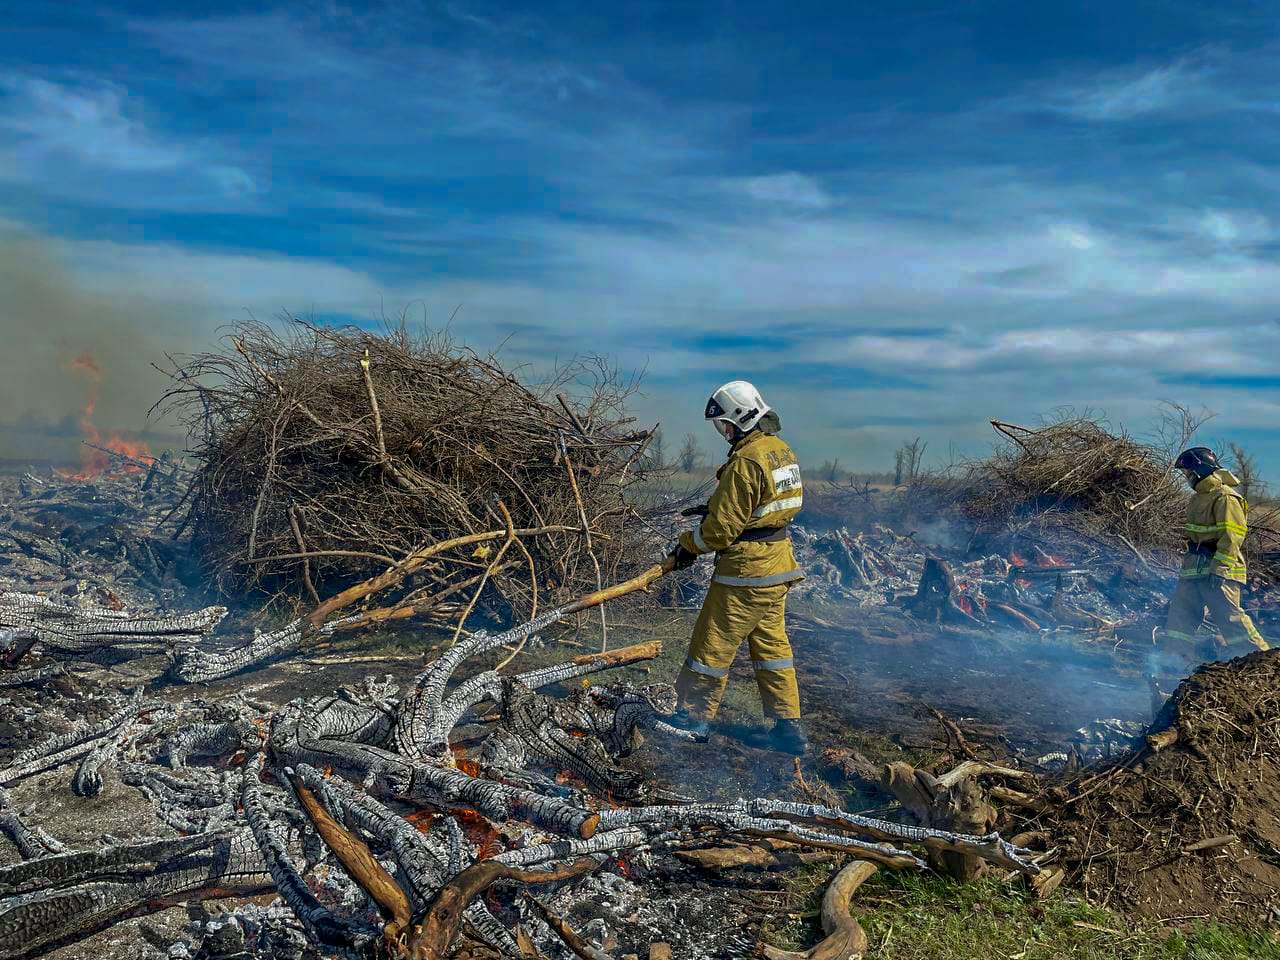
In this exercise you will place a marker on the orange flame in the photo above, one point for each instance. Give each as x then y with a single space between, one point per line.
624 867
94 462
482 834
422 820
462 763
1016 559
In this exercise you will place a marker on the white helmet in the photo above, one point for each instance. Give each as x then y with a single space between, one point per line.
737 403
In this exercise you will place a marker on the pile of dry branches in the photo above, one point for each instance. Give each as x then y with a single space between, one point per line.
324 456
1075 474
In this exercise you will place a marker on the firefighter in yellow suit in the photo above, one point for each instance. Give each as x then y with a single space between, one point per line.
758 493
1213 568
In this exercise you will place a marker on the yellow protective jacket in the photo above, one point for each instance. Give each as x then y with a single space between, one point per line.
758 488
1216 528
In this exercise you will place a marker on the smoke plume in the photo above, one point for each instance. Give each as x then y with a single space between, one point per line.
71 355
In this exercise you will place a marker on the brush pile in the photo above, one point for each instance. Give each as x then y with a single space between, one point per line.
1074 476
323 456
1078 485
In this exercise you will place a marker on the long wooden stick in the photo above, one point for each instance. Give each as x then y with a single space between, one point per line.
296 524
640 582
533 612
432 940
413 562
586 532
359 862
373 404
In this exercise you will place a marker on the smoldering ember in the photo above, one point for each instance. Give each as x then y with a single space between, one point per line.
369 671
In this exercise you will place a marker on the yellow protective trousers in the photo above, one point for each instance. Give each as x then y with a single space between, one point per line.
1222 598
729 615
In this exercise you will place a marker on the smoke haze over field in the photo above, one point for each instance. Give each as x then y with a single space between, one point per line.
55 332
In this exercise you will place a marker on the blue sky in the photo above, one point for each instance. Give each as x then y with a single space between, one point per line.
899 222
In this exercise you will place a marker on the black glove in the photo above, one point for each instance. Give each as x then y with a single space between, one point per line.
684 558
699 511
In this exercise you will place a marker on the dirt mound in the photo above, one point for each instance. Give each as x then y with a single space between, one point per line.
1191 830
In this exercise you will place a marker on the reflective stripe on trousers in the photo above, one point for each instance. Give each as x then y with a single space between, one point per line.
703 669
770 581
1222 598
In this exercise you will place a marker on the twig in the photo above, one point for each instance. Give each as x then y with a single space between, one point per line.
497 561
566 933
440 926
533 613
302 548
373 405
411 563
314 554
586 532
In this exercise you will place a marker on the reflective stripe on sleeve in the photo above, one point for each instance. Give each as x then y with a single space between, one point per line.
698 541
783 663
768 581
777 505
1229 526
702 668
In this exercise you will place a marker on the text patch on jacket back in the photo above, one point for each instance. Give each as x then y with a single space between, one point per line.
786 478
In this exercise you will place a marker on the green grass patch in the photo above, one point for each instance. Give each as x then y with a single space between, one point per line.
926 917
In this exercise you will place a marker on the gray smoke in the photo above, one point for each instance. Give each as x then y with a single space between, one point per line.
47 322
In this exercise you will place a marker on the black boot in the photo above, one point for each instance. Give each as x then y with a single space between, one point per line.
700 729
788 736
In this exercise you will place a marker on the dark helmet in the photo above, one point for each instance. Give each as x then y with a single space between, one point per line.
1199 460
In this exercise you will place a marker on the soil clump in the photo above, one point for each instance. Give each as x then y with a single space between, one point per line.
1188 830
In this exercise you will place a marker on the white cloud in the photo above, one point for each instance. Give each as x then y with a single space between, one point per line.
86 124
1232 228
91 140
1126 95
786 189
1077 238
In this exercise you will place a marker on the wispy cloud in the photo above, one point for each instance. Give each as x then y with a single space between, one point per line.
786 189
88 125
90 139
1127 94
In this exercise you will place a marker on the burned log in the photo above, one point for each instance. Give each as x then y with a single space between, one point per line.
937 598
73 631
332 780
58 899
